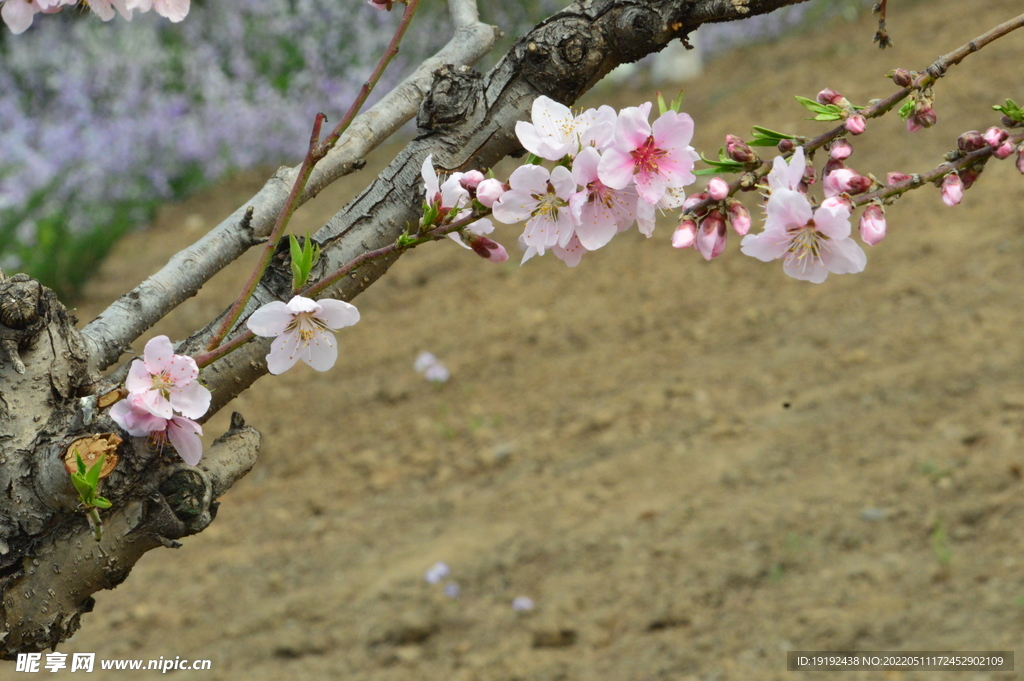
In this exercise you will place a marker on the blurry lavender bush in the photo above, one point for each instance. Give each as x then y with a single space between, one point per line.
99 122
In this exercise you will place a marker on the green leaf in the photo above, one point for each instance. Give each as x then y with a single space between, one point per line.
724 164
93 475
100 502
533 160
296 250
85 490
763 137
811 105
662 108
828 117
907 109
1011 109
677 103
79 463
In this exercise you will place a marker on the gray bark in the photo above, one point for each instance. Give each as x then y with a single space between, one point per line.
50 390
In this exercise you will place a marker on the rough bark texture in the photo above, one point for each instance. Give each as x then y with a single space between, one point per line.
50 391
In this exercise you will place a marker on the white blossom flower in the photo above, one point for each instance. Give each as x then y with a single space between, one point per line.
302 329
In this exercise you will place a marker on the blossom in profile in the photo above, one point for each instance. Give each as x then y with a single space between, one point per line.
447 196
654 157
133 414
166 382
811 243
302 329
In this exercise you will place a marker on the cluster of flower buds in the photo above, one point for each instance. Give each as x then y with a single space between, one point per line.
18 14
920 113
706 230
854 122
452 200
164 395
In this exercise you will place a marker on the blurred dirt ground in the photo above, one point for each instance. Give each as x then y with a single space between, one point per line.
689 467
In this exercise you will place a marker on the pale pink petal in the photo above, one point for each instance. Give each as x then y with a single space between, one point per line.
766 246
673 131
529 178
181 370
321 351
805 269
616 168
561 180
833 221
139 379
184 435
514 206
156 404
300 304
429 176
18 14
284 353
786 209
158 354
337 313
645 217
192 401
550 117
631 128
102 8
270 320
571 254
844 256
175 10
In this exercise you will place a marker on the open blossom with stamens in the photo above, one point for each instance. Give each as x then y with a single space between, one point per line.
810 242
166 382
133 415
447 196
600 212
302 329
542 199
655 156
555 132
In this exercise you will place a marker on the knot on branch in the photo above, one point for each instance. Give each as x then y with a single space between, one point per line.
634 31
566 54
453 98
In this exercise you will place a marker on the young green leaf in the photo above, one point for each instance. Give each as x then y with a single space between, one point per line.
100 502
763 137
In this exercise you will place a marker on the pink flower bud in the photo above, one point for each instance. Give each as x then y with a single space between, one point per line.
830 96
471 179
809 176
1020 159
685 234
1003 150
839 201
902 77
718 188
971 140
926 117
693 200
739 216
487 249
872 224
712 234
894 177
995 136
855 124
489 191
970 175
786 145
840 150
952 190
913 125
738 150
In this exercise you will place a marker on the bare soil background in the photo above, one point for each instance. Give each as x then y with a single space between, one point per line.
689 467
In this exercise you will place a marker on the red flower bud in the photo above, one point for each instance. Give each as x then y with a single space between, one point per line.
971 140
902 77
738 150
830 96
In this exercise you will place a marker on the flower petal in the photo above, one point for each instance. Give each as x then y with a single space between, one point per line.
139 379
284 352
184 435
337 314
321 351
270 320
192 401
158 353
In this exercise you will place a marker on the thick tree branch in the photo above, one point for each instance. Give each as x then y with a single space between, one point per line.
111 333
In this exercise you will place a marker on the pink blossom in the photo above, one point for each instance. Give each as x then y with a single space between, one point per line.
167 382
739 216
718 188
952 190
855 124
488 249
600 212
872 224
685 235
787 176
446 197
104 9
555 132
302 329
654 157
712 235
489 191
810 242
571 253
542 199
1003 150
133 415
995 136
840 150
845 181
175 10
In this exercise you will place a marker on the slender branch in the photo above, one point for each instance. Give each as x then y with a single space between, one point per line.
312 156
914 181
311 291
879 108
371 82
134 312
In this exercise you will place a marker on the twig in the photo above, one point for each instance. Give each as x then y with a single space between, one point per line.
315 153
